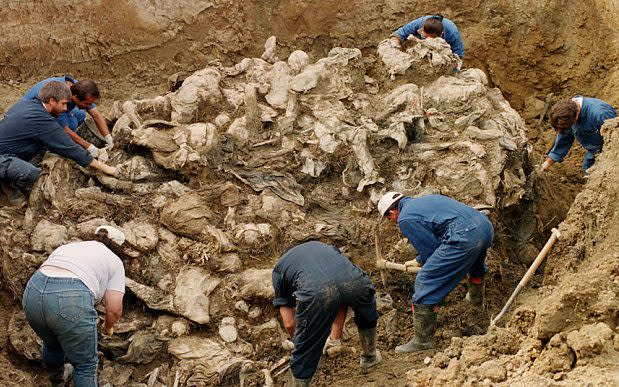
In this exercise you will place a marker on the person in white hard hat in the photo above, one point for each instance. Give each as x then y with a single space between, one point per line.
451 240
60 298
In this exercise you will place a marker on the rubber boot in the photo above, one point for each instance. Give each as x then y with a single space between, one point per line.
370 356
299 382
425 326
15 197
56 376
477 291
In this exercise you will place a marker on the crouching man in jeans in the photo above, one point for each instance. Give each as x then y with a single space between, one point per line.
314 285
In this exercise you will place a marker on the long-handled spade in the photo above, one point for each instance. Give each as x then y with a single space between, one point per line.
527 277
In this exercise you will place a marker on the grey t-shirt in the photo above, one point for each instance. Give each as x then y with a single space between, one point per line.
93 263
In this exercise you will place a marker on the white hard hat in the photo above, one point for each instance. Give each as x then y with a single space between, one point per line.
113 233
387 200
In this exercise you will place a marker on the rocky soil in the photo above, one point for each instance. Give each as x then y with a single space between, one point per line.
253 152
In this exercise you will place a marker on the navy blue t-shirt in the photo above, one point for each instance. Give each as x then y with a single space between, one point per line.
308 268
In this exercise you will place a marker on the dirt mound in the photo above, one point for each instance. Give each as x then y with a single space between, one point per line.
566 332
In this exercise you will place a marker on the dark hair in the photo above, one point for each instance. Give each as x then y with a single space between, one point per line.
393 206
84 89
433 26
54 89
102 236
563 114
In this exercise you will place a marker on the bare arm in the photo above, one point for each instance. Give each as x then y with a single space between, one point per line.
99 121
338 323
113 308
287 313
75 137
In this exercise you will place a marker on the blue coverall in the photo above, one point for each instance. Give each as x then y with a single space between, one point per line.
451 239
450 33
74 116
586 130
317 279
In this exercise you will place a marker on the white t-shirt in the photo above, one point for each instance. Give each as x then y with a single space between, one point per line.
93 263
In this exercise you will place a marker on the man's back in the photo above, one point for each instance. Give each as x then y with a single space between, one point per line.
312 266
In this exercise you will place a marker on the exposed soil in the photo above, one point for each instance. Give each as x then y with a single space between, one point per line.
527 48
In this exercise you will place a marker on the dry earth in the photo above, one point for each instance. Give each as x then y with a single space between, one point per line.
527 48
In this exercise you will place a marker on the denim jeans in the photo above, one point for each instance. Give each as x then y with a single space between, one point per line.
19 173
61 312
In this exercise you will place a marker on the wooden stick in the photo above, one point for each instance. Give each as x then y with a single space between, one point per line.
527 277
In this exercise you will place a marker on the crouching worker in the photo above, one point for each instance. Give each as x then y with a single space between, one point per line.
451 239
29 129
59 302
312 283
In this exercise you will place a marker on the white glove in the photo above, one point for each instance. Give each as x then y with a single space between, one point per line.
109 141
545 165
93 150
394 41
330 344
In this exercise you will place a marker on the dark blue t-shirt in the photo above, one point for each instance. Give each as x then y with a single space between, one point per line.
27 129
307 269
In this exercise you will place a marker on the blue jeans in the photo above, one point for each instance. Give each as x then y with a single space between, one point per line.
61 312
19 173
73 118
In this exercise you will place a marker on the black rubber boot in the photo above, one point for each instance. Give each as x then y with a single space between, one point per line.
477 293
425 326
16 198
370 356
56 376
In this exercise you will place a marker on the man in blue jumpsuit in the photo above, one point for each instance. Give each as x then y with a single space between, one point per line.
313 284
578 118
431 26
451 240
28 128
85 94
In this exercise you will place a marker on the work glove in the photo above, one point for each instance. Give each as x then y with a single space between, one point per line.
544 167
112 171
93 150
394 41
109 141
330 344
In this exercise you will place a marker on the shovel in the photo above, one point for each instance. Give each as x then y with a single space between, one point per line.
527 277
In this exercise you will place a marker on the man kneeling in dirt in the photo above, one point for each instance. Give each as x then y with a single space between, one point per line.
431 26
451 240
28 129
578 118
84 95
314 285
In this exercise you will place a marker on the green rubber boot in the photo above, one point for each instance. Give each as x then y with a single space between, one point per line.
425 326
477 292
299 382
370 356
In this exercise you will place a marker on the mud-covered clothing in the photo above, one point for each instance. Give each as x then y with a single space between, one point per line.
316 279
93 263
450 33
74 116
586 130
451 239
